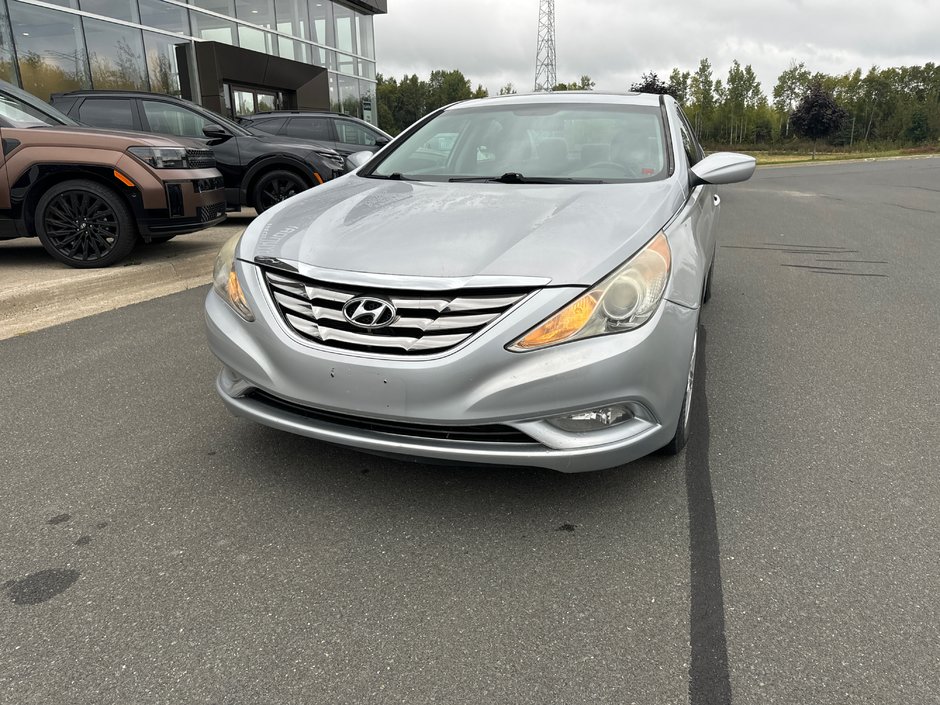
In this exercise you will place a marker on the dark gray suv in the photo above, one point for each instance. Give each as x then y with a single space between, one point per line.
343 133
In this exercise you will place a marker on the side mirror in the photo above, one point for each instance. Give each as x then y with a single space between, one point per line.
357 159
215 132
723 168
381 141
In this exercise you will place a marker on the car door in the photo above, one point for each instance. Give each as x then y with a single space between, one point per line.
310 127
704 196
168 118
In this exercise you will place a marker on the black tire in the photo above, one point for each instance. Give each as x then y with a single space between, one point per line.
683 430
85 224
275 186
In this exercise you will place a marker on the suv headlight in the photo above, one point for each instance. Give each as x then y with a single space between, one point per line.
334 160
162 157
623 301
225 279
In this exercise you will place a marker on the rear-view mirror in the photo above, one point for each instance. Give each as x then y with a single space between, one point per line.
214 132
357 159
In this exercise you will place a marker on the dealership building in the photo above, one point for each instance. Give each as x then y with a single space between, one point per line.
235 57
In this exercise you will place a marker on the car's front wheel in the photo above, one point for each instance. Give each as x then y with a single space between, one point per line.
276 186
685 426
85 224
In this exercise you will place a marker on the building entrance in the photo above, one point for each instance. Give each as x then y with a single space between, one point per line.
242 100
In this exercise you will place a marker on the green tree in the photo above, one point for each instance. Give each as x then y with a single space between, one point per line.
792 85
817 115
651 83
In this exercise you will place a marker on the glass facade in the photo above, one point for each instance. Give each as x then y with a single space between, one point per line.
133 44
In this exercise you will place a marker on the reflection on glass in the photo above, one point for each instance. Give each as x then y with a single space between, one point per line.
260 12
367 100
294 50
162 64
349 96
116 56
366 36
118 9
162 15
244 102
321 22
223 7
7 70
346 64
345 29
213 28
51 54
291 16
255 39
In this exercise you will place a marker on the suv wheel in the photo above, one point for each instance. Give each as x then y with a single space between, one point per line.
85 224
275 186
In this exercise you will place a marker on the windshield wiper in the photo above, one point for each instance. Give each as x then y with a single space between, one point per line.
514 177
394 176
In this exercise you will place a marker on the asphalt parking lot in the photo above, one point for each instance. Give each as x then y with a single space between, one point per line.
157 550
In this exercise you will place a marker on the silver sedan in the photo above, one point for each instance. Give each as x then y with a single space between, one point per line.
513 281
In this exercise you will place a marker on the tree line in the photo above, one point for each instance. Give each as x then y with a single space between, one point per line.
885 107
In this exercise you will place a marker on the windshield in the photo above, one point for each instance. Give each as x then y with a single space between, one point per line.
18 113
585 143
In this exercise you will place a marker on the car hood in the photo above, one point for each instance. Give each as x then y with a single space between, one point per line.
570 234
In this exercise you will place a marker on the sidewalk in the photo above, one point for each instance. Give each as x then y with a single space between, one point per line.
36 291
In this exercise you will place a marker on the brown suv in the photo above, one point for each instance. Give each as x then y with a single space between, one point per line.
91 194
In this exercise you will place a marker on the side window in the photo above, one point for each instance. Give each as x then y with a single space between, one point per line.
691 146
106 112
351 133
309 128
171 119
270 125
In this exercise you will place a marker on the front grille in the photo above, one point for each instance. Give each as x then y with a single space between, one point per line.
425 321
200 158
491 433
207 213
203 185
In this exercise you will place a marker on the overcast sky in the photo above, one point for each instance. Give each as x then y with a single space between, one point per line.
615 41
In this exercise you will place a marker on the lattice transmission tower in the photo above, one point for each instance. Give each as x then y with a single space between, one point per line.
545 74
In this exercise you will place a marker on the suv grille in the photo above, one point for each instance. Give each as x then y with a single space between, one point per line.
200 158
425 322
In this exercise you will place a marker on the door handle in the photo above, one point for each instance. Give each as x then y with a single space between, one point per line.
717 200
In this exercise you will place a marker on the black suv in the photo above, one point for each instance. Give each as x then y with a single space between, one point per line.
259 171
343 133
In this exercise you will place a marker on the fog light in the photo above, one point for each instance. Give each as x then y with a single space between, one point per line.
593 420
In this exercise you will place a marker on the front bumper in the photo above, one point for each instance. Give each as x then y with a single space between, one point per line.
188 205
425 403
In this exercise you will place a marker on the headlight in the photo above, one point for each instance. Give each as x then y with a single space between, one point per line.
161 157
225 280
623 301
333 159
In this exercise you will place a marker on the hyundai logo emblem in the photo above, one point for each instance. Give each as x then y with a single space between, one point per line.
369 312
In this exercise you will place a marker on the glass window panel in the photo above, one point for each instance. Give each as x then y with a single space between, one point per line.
223 7
118 9
171 119
345 29
294 50
367 98
255 39
334 93
105 112
366 36
271 125
321 22
265 102
20 114
162 64
349 96
244 102
366 69
351 133
50 49
7 69
346 64
309 128
213 28
65 3
291 16
162 15
260 12
116 56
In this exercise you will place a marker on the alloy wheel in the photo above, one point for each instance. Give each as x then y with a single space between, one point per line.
278 189
81 226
